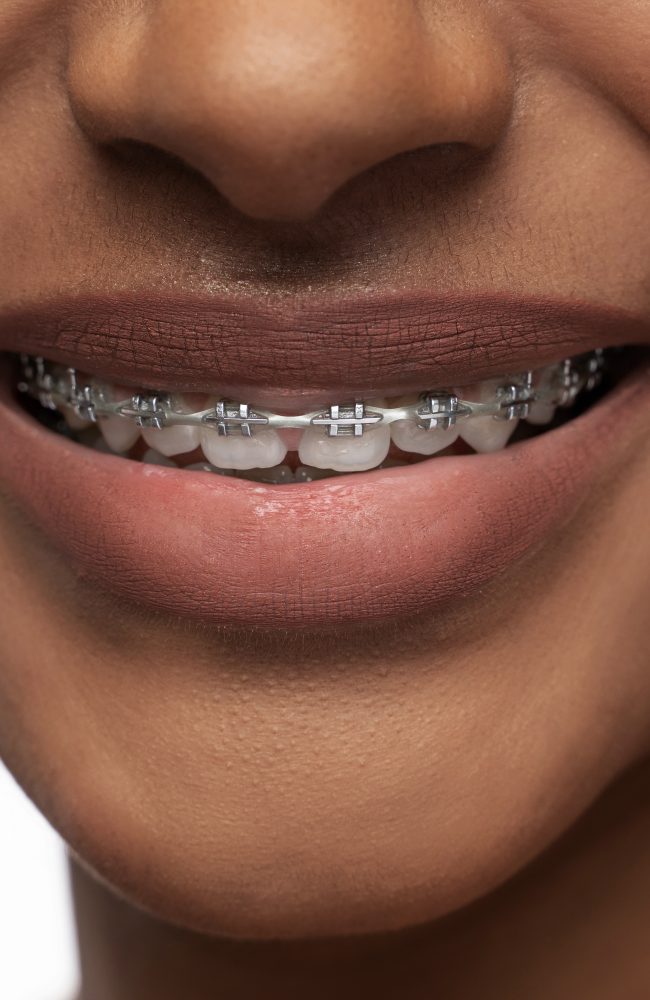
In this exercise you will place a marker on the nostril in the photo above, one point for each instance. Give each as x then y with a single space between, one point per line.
279 106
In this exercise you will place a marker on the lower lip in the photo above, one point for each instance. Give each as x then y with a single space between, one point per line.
368 547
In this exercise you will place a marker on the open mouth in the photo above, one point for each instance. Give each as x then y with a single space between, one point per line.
245 468
215 435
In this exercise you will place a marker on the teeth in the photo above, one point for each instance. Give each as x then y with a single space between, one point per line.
119 433
344 453
409 437
259 457
152 457
75 422
264 449
206 467
540 413
175 440
485 434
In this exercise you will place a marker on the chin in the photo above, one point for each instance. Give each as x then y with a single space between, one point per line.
322 874
372 827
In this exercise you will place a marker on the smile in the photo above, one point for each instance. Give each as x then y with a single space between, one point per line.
226 437
249 494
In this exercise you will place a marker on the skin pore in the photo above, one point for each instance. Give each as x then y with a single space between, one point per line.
454 805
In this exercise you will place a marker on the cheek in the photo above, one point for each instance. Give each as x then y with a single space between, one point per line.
607 43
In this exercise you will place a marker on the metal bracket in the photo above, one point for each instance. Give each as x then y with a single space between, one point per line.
45 384
595 366
514 398
568 382
347 420
82 397
440 412
58 388
148 410
229 417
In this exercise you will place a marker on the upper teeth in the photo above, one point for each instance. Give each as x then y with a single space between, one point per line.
175 439
345 453
235 451
408 436
350 437
486 434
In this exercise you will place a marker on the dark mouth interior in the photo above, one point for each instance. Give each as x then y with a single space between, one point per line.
620 362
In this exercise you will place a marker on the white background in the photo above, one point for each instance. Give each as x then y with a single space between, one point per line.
38 956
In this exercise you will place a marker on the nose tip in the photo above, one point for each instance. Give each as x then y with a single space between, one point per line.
279 105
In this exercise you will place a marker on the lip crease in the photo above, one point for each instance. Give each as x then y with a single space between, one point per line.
305 352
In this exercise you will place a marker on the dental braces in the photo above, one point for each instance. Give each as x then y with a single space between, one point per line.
56 388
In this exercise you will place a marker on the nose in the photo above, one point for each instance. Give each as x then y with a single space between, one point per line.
278 103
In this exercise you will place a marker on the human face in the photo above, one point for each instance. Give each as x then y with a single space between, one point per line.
360 702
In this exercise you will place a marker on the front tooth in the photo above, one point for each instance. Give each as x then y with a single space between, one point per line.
119 433
344 453
262 450
409 437
177 439
485 434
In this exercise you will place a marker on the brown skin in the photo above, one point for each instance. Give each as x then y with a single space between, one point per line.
246 786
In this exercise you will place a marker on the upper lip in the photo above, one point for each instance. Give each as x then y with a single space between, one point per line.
303 351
